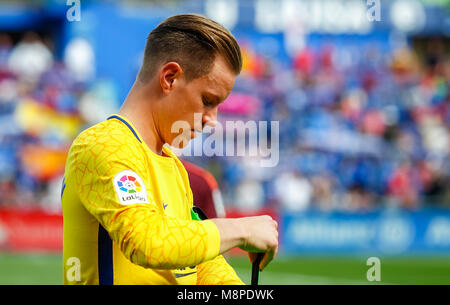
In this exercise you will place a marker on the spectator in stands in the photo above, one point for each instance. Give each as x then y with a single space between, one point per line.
30 57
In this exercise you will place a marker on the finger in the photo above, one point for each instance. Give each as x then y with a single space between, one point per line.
252 256
266 259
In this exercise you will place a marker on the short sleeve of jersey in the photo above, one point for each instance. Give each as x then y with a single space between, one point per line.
111 180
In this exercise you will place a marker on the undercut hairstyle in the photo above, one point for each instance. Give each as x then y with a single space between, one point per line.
193 41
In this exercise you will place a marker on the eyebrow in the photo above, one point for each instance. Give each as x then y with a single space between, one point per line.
216 99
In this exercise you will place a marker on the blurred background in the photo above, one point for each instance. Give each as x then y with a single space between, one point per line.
360 90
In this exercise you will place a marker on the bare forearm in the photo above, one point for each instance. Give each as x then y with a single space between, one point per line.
231 232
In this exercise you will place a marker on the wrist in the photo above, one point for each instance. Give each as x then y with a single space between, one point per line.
232 233
242 234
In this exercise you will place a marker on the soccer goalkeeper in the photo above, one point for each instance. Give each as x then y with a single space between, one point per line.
127 204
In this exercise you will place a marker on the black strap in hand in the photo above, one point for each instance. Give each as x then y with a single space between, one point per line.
255 268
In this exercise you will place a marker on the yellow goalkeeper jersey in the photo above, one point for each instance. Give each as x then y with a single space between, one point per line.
127 215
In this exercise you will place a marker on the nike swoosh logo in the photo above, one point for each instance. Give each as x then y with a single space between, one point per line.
177 275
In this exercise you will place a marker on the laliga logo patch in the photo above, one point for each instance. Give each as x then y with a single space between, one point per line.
130 188
129 184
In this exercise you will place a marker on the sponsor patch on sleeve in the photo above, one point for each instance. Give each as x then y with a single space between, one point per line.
130 188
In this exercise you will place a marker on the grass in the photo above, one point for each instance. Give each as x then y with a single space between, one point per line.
44 269
34 269
347 270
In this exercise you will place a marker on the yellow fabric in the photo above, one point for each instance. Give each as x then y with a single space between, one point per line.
143 201
217 272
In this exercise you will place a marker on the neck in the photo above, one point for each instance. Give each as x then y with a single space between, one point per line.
139 108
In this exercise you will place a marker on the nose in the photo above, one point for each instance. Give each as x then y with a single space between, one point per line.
210 118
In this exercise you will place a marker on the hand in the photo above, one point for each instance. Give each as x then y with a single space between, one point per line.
263 237
252 234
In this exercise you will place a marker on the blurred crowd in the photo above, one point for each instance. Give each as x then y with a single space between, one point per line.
360 128
44 103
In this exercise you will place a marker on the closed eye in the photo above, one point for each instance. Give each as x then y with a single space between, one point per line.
207 102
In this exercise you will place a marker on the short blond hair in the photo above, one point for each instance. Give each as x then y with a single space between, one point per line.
193 41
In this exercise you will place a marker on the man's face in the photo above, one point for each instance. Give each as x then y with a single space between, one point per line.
200 96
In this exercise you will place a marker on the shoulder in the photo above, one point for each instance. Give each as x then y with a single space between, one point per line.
105 141
108 132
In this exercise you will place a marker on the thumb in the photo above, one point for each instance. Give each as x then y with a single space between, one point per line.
252 256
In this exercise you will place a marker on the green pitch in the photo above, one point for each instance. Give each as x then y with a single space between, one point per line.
45 269
342 270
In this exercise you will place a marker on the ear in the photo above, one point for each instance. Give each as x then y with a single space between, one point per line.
170 74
